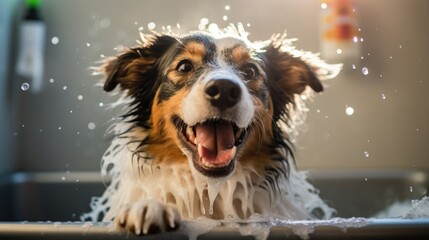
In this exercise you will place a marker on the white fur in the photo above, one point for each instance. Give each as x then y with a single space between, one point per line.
196 108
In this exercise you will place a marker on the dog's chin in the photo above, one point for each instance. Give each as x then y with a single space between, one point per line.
212 144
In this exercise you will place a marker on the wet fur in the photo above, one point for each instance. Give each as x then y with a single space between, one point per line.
146 75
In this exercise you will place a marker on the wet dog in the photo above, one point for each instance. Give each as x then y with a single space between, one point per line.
207 130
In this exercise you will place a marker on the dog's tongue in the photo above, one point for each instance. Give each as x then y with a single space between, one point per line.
215 142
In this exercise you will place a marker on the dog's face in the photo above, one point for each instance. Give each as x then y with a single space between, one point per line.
214 100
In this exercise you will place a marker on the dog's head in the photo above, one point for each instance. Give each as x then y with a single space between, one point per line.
216 100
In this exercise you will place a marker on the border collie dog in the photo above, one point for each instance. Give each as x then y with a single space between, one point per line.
207 130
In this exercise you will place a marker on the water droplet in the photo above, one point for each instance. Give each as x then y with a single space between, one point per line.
55 40
204 21
59 128
355 39
318 110
63 178
80 97
101 104
411 189
323 5
51 80
225 18
400 46
366 154
88 44
383 96
365 71
227 7
135 22
141 28
349 111
248 24
151 25
353 66
366 179
339 51
91 126
65 88
361 39
25 86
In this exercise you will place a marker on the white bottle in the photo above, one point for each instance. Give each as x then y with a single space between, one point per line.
31 49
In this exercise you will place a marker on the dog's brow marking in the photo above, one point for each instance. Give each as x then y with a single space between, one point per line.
196 49
240 54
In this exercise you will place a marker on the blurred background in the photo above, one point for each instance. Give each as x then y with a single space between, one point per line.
374 115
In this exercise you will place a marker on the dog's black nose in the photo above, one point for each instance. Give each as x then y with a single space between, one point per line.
223 93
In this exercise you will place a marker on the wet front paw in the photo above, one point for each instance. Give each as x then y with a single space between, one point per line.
148 217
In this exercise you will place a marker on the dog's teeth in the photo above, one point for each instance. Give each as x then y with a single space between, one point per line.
190 134
234 151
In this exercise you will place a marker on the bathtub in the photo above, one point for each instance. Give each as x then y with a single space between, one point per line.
48 206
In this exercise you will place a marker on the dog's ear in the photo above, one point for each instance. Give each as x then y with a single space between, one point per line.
287 76
134 68
290 73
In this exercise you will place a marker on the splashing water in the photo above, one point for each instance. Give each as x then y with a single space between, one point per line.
25 86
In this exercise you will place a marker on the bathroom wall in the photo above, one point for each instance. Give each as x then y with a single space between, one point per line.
62 128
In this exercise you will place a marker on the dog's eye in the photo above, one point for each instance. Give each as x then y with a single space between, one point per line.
250 71
184 66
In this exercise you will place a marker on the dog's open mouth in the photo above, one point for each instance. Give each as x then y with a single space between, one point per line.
213 143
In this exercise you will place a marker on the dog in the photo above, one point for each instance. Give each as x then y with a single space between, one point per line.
207 130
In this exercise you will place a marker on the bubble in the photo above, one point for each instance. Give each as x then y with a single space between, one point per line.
339 51
51 80
350 111
248 24
101 104
411 189
55 40
65 88
141 28
91 126
383 96
355 39
136 22
25 86
324 5
88 44
365 71
63 178
366 154
59 128
204 21
80 97
354 66
225 18
151 25
227 7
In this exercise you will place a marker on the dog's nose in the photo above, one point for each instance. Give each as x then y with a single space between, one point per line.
223 93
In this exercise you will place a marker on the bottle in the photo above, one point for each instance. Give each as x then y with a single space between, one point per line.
339 31
32 45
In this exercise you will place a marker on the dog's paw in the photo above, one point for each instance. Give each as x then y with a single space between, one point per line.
148 217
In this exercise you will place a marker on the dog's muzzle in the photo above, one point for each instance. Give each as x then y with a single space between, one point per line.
215 125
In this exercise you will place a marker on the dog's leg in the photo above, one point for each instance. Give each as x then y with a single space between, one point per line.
148 217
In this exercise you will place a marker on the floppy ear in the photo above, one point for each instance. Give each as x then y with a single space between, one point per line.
287 75
290 73
135 68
